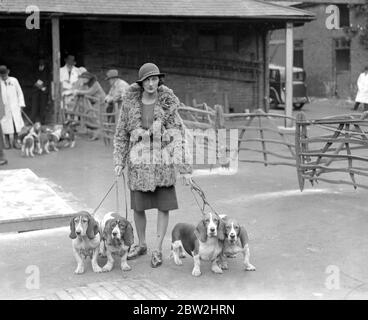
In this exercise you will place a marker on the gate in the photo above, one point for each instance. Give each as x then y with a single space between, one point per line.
334 141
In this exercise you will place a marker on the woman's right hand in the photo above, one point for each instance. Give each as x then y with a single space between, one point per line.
119 170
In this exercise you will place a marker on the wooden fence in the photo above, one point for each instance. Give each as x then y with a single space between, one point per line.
92 115
317 155
261 133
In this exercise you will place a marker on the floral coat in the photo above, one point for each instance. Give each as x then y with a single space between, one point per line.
152 156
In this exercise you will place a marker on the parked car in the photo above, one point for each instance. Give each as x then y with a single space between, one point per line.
277 87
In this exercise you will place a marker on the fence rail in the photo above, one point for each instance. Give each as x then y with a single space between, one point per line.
266 128
92 116
314 162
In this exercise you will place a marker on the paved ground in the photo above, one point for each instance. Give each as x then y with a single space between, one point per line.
296 239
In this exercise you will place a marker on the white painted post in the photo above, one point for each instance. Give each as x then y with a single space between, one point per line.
289 73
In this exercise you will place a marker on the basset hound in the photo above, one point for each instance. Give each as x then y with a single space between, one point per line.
117 238
204 242
85 235
236 240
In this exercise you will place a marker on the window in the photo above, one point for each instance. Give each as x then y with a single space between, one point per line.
342 54
298 54
344 15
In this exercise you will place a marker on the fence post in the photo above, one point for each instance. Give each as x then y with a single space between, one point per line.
300 118
220 119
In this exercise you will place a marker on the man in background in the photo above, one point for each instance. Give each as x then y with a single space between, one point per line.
13 100
362 95
40 92
2 114
69 74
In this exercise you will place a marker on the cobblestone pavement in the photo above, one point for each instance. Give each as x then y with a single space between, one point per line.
126 289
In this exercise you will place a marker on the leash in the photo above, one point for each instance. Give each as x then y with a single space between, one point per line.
28 119
195 187
103 199
125 196
116 185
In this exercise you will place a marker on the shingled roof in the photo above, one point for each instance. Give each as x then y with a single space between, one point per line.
160 8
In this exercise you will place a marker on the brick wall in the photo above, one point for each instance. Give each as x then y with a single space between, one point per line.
110 45
319 55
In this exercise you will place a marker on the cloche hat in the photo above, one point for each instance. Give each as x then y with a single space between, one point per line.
148 70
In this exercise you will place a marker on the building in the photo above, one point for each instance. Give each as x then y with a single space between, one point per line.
332 59
212 51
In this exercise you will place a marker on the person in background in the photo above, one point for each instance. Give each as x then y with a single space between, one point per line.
40 92
13 100
80 83
362 95
95 96
115 95
150 109
93 90
117 89
69 74
3 160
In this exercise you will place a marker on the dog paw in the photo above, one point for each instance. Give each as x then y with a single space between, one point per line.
79 270
216 269
250 267
224 266
178 262
126 267
97 269
196 272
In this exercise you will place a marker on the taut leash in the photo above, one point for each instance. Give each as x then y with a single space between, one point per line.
116 185
103 199
195 187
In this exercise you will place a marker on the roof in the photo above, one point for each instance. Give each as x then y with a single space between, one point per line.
286 3
160 8
318 2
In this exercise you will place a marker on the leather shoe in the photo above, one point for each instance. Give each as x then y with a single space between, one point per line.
7 144
16 145
4 161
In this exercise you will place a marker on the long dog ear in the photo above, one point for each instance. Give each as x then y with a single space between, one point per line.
72 234
201 232
105 230
92 229
221 230
128 236
243 235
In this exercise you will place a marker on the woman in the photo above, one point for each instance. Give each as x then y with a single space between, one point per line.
94 90
149 116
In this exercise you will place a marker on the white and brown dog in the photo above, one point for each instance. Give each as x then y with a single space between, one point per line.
117 238
236 241
204 242
84 230
28 145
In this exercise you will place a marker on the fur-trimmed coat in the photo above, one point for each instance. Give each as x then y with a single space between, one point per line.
152 156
